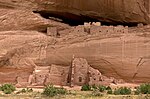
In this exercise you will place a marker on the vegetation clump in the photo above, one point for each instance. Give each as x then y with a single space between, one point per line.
26 90
51 91
94 87
143 89
86 87
102 88
97 90
7 88
122 91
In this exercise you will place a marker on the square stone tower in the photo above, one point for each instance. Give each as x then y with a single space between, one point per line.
81 69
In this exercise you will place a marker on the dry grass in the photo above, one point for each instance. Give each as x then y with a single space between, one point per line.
73 95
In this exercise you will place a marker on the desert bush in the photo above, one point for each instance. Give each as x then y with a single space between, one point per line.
8 91
23 91
86 87
108 88
109 91
102 88
51 91
137 91
8 88
93 87
143 89
26 90
29 90
61 91
122 91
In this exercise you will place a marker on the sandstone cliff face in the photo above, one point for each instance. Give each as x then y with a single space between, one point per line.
112 11
24 46
123 56
22 39
18 50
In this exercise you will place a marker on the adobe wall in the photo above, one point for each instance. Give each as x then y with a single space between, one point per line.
57 75
94 76
109 29
45 75
91 28
52 31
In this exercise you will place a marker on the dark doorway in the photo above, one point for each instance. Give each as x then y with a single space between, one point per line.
80 79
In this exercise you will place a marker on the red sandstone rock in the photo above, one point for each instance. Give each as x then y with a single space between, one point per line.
127 11
115 11
119 55
114 51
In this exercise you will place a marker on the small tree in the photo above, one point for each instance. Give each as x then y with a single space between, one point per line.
8 88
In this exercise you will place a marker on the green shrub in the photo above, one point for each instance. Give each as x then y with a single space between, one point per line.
86 87
26 90
108 88
23 91
122 91
29 90
109 91
51 91
116 92
93 87
137 91
8 91
0 88
143 89
8 88
102 88
61 91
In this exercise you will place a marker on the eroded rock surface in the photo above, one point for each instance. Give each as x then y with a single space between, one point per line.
114 51
114 11
121 55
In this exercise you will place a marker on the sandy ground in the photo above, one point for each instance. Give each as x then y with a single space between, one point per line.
78 88
75 94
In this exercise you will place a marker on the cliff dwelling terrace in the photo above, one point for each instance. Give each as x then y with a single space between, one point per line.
89 28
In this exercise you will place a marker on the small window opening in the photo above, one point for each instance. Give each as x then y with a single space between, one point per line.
100 79
80 79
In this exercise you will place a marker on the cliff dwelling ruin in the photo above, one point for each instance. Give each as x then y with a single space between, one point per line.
89 28
78 74
110 40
